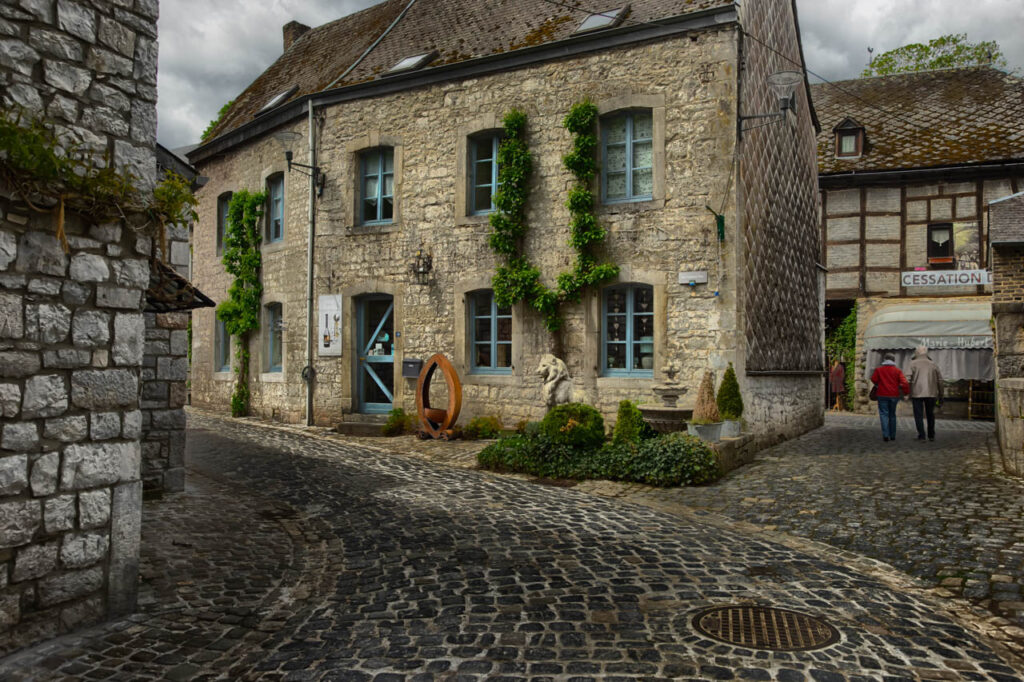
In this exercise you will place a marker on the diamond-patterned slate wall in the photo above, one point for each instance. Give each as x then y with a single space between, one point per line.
778 176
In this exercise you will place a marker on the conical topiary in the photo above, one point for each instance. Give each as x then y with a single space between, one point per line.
706 411
730 402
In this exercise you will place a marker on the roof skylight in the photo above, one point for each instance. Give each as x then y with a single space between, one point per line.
278 99
609 19
412 63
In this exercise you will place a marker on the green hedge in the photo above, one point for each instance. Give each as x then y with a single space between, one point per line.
665 460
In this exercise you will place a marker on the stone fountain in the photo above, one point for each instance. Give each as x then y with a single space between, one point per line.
668 417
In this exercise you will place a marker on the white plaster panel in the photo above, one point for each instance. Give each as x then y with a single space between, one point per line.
883 199
881 256
839 229
942 209
882 227
843 256
843 201
917 211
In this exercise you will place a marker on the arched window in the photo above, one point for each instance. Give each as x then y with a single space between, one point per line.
627 156
377 186
627 330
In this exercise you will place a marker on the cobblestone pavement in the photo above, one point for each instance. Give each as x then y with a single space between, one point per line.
297 558
933 509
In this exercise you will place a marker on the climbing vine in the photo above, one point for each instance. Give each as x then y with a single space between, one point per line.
241 311
841 344
517 279
52 176
585 232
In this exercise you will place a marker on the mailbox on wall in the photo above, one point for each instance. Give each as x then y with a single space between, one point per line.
411 369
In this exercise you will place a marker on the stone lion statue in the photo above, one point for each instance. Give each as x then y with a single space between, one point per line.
557 383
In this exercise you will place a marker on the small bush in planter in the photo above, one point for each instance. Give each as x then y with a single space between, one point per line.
729 400
398 423
574 424
705 411
482 427
630 426
675 459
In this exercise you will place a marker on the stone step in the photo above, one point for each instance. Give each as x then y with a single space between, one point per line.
361 424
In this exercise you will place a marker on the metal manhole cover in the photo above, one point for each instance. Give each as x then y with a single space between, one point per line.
765 627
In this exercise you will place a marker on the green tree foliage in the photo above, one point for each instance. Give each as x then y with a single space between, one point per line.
842 344
944 52
240 312
215 122
630 427
729 400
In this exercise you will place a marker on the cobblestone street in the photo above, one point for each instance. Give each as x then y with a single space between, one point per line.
292 557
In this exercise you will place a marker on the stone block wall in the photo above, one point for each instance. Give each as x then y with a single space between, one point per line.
71 344
1006 225
164 392
71 324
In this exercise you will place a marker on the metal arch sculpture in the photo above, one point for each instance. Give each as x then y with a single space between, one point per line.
434 422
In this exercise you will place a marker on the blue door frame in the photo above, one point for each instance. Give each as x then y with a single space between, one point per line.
375 360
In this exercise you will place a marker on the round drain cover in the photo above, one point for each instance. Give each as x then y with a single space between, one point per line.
765 627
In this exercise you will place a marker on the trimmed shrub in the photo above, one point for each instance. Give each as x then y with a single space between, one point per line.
630 426
729 400
574 424
675 459
534 455
398 423
482 427
705 411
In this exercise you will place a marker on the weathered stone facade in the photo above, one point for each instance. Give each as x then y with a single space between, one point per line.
691 84
1006 217
164 393
71 325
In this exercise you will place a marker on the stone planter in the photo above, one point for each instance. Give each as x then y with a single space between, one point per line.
666 419
731 428
712 433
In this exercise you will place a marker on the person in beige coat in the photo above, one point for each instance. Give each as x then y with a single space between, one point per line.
925 390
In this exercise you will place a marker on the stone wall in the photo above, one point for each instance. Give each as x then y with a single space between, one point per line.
71 325
1007 233
71 344
164 392
689 83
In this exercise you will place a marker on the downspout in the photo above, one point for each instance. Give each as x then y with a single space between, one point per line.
309 374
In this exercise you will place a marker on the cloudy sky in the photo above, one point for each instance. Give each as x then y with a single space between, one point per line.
210 50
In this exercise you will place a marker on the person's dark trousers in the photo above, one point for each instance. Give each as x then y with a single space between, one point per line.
887 415
924 408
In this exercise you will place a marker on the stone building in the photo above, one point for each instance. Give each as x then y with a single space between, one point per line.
907 167
72 330
1006 220
407 101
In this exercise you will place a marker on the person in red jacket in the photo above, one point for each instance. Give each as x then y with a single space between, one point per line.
892 385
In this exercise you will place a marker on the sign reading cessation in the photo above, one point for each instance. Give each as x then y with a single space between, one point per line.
944 278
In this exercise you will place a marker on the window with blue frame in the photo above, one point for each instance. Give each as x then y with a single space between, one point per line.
627 156
491 329
275 207
627 333
274 331
483 175
377 186
223 203
221 347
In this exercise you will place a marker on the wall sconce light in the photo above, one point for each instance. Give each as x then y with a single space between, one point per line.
783 84
287 138
422 266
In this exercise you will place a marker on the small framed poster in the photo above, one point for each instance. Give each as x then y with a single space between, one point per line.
329 322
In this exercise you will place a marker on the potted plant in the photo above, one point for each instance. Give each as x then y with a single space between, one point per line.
706 421
730 404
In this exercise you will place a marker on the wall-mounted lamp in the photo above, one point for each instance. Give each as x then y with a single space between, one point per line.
287 138
422 266
783 84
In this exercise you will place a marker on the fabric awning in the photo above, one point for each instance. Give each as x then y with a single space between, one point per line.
953 325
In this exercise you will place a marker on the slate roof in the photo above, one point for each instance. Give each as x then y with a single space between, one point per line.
459 30
927 119
169 292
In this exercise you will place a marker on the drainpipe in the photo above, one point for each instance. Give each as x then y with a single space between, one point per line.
309 373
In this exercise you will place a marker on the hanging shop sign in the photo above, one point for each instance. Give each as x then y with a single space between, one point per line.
329 322
944 278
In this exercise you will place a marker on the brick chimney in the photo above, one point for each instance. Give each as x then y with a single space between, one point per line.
293 30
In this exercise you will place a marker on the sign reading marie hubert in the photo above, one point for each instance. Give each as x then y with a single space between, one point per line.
944 278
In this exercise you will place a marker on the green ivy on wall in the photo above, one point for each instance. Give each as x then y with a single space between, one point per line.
241 311
585 232
517 279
